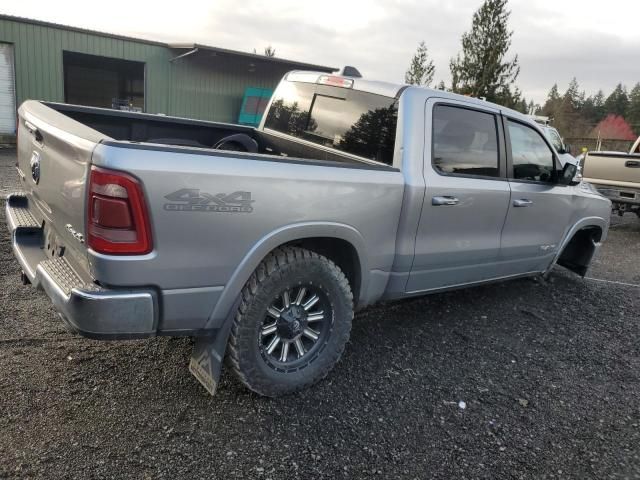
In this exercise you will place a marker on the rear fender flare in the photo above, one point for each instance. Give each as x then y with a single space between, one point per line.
273 240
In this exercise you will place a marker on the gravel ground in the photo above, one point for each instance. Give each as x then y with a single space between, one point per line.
549 373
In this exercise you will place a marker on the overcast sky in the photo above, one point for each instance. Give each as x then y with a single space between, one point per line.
597 42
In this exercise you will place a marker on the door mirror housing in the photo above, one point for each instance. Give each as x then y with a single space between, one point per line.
567 175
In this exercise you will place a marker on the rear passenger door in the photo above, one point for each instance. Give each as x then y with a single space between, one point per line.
540 210
466 199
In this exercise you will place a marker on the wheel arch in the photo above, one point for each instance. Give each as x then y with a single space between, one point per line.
580 245
341 243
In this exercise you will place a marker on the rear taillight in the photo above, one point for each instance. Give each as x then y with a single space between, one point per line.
117 221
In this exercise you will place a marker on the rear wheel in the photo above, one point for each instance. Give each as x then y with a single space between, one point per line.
292 324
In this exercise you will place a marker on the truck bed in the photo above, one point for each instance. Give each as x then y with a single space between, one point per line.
183 132
612 168
616 175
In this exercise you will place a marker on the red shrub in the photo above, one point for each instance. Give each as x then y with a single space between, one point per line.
614 127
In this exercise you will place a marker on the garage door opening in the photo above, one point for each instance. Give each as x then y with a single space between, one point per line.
103 82
7 91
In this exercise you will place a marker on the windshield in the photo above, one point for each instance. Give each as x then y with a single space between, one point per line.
554 137
347 120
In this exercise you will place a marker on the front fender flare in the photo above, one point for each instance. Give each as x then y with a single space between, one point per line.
586 222
273 240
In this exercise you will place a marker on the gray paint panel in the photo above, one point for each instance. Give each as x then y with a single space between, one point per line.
187 308
205 248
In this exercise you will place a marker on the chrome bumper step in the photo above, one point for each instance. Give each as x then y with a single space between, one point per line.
64 276
19 216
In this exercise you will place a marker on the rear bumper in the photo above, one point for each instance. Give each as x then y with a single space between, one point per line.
89 309
619 194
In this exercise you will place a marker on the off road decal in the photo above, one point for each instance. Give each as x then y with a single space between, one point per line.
193 200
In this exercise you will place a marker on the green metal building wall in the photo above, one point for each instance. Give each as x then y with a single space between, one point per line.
212 88
203 85
38 60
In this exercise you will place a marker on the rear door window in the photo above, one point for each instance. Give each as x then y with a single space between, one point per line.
349 121
465 142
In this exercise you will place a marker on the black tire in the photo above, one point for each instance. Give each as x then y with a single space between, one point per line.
282 270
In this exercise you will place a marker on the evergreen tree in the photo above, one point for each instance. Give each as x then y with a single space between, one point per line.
421 70
588 109
573 121
633 111
566 110
480 69
598 101
553 95
618 102
552 105
592 109
269 51
572 90
522 106
573 98
598 106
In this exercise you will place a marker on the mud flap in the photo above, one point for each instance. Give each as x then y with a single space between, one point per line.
206 363
208 354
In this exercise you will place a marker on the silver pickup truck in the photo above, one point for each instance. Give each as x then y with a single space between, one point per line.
262 242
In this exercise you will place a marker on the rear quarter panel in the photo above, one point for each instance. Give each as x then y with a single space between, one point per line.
205 248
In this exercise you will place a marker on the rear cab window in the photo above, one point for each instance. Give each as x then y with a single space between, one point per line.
465 142
346 120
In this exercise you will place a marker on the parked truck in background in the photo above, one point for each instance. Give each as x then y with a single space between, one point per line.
554 137
261 242
617 176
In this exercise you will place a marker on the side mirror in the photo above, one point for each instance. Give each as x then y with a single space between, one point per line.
567 175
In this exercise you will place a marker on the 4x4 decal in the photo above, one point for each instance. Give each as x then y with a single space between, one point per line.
193 200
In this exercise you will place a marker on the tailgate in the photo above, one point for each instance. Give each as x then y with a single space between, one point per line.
54 156
611 168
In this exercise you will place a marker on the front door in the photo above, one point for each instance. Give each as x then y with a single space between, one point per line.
540 210
466 199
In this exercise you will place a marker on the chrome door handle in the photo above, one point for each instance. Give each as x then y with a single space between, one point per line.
444 200
522 202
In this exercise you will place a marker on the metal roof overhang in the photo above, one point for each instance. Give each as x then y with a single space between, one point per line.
193 48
